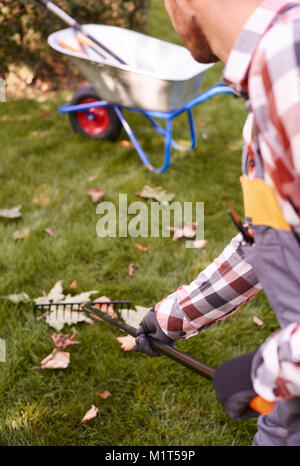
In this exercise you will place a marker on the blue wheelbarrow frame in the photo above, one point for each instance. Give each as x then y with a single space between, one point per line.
166 133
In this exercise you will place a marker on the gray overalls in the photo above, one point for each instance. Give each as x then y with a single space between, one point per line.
275 258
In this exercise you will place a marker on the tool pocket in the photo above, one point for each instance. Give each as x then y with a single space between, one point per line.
261 205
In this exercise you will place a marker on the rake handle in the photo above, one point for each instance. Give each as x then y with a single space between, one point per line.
172 353
258 403
78 27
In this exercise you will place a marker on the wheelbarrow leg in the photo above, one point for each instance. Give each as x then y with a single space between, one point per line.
133 138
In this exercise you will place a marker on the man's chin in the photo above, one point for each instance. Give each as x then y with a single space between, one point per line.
206 59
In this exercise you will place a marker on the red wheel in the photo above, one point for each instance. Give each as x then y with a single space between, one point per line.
95 121
98 122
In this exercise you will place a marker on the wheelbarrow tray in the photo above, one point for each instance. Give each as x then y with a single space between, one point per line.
158 76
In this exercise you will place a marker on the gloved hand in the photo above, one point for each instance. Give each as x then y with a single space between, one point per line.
233 386
150 327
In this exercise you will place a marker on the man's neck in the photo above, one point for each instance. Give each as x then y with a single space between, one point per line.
224 24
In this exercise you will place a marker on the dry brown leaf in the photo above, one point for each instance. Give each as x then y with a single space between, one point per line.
140 247
257 321
157 193
201 124
127 343
56 360
106 308
11 213
90 414
50 232
21 234
125 143
96 194
73 285
104 395
63 340
187 230
131 270
200 243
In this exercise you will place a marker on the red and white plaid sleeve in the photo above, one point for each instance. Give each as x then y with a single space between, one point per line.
217 292
275 368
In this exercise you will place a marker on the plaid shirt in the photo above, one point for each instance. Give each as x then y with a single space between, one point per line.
264 67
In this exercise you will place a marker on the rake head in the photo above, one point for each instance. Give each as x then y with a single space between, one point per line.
58 314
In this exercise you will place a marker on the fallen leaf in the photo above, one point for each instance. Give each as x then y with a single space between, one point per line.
106 394
126 143
96 194
187 230
61 315
21 234
157 193
56 360
257 321
201 123
131 270
140 247
184 143
44 195
73 285
62 341
44 114
106 308
18 298
127 343
90 414
50 232
134 317
200 243
55 295
11 213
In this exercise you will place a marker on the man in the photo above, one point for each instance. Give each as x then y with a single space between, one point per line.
260 43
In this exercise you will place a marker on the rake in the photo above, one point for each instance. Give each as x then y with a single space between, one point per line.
93 309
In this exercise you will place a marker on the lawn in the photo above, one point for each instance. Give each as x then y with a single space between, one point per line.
45 168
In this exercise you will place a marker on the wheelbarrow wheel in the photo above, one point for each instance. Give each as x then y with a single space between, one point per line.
99 122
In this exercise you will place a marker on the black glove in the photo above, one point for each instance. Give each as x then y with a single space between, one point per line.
150 327
233 386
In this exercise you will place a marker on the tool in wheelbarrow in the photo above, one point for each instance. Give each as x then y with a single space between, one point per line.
89 39
160 81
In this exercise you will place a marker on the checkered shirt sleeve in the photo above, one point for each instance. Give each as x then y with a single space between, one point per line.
217 292
275 369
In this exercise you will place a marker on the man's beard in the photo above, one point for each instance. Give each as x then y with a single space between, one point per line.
198 44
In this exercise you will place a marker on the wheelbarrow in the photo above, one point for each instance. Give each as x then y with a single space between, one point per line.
155 78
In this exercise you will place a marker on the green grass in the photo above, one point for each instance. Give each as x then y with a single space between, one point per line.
154 401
